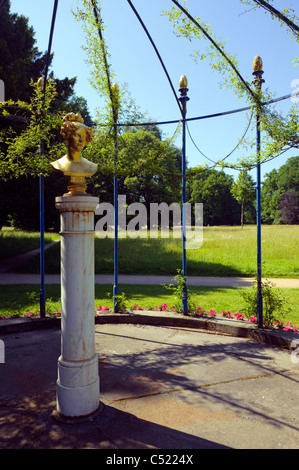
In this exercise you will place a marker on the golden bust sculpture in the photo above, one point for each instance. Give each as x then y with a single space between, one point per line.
75 134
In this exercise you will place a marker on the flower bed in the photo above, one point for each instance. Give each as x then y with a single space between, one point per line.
200 312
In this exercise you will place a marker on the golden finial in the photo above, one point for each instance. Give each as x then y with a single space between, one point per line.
115 88
183 81
257 63
40 83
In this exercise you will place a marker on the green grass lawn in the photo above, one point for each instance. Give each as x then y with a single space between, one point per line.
226 251
17 242
22 299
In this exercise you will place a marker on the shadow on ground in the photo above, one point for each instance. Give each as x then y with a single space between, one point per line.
161 387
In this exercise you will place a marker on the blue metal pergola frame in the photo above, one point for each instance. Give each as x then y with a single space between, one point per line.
182 106
41 180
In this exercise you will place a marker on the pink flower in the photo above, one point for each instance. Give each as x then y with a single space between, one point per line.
252 319
239 316
212 313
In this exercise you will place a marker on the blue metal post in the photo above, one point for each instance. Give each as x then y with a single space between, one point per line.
258 73
115 285
258 226
42 298
114 102
183 99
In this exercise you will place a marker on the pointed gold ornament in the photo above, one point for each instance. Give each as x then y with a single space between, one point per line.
257 63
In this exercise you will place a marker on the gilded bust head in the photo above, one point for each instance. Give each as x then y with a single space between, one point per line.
75 134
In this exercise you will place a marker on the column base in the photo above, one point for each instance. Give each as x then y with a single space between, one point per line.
78 388
76 419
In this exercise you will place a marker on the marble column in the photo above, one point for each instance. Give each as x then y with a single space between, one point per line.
78 389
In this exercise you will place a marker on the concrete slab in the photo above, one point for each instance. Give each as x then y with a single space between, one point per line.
162 387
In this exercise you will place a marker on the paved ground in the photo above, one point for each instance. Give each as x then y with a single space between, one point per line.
12 278
162 387
164 384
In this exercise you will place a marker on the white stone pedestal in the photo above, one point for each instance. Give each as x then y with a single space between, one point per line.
78 391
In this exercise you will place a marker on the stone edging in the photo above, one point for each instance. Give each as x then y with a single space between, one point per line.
276 338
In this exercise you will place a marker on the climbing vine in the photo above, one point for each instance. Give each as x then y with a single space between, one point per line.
281 132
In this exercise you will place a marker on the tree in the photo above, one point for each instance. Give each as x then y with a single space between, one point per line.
288 176
289 208
23 126
147 168
270 198
243 191
213 189
20 60
276 184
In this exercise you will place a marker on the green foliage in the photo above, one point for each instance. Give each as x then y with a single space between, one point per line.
88 13
145 296
243 190
178 292
147 168
276 184
220 60
213 189
51 307
281 131
20 151
132 154
121 301
289 208
274 304
286 17
20 59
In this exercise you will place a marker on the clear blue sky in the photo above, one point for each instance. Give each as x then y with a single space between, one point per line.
134 61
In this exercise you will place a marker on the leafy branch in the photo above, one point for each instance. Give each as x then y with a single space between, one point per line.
98 58
278 14
20 150
282 133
